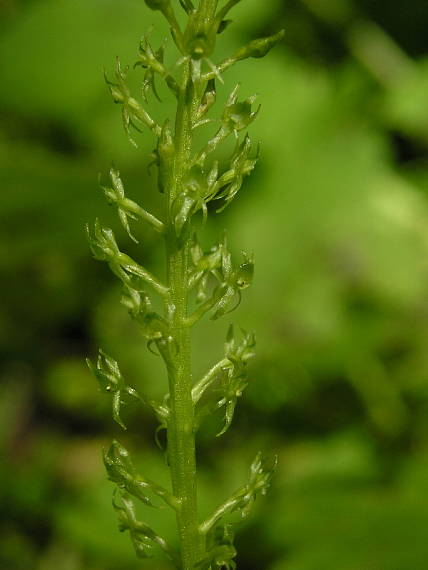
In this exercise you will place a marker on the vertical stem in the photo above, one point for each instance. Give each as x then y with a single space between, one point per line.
181 433
207 8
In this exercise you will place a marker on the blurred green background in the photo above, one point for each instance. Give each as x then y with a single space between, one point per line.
337 215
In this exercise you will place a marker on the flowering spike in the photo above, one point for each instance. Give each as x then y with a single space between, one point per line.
188 179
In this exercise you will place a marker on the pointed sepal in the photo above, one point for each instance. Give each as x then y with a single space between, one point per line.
222 13
133 114
104 247
241 165
121 471
234 377
228 378
238 115
116 195
220 548
242 501
204 266
102 242
128 209
152 62
219 557
106 371
164 155
197 185
231 281
187 5
143 537
207 101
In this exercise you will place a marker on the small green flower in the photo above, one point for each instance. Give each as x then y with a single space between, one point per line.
259 48
106 371
238 115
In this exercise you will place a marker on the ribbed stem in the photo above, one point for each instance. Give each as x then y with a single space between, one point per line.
181 433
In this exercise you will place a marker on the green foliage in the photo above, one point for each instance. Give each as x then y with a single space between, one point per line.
189 181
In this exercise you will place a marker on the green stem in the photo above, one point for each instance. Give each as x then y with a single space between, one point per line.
204 383
208 8
181 425
131 206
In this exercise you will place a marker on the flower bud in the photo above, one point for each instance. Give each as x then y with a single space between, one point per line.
259 48
199 37
102 243
182 210
199 46
164 154
239 115
157 4
208 98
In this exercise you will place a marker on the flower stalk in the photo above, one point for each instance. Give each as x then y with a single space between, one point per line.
189 179
181 427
